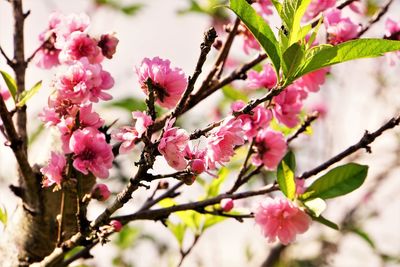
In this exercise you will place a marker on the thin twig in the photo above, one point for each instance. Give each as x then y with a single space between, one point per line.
169 193
8 60
243 170
378 15
364 142
184 254
307 122
61 218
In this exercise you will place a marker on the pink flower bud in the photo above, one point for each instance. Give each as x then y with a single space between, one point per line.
227 204
198 166
117 225
5 94
101 192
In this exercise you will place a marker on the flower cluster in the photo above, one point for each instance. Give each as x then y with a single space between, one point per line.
81 82
339 28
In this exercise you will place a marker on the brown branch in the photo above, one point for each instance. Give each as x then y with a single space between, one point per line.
378 15
307 122
205 47
364 142
8 60
184 254
243 170
169 193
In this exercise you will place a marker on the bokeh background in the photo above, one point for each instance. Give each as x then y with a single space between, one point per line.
358 96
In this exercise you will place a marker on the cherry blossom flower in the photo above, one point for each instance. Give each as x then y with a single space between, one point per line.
222 140
80 45
249 42
91 152
196 157
53 172
338 28
316 7
173 144
263 7
100 192
251 124
89 118
108 44
288 104
129 135
68 25
281 219
270 147
312 81
266 78
168 84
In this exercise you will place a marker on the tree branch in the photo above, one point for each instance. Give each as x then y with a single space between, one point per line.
364 142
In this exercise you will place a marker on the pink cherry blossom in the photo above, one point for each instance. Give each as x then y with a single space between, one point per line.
91 152
196 157
251 124
68 25
311 82
263 7
49 116
338 28
89 118
288 105
108 44
222 141
249 42
318 6
143 121
53 172
100 192
266 78
270 147
227 204
392 28
80 45
320 107
97 91
168 83
281 219
173 144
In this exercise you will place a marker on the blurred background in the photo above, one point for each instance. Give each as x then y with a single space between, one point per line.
358 96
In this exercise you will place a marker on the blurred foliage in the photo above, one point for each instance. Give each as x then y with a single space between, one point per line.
130 104
3 216
208 7
129 10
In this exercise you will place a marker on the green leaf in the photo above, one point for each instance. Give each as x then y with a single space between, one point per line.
337 182
278 6
327 55
10 82
73 251
131 9
234 94
260 29
364 235
292 59
3 216
292 12
178 230
213 188
285 176
325 222
211 220
316 206
26 95
127 237
129 104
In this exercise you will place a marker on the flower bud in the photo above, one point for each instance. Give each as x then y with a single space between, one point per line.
197 166
108 44
5 94
100 192
117 225
163 184
227 204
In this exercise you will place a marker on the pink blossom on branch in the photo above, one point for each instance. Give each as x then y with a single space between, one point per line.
222 140
169 84
281 219
173 144
251 124
270 148
339 28
318 6
91 152
288 104
54 171
266 78
100 192
80 45
264 8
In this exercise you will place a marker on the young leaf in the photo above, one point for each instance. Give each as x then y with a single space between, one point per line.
214 187
3 216
292 12
234 94
10 82
26 95
350 50
292 59
325 222
337 182
178 230
260 29
316 206
364 235
285 176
